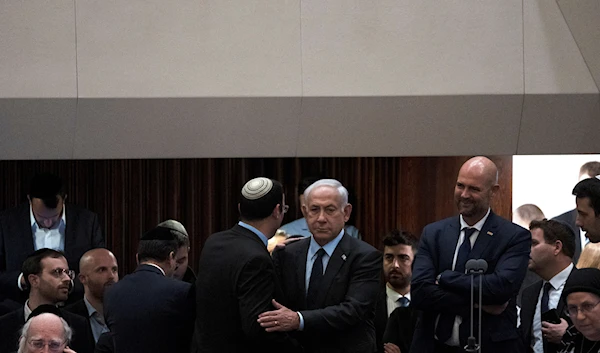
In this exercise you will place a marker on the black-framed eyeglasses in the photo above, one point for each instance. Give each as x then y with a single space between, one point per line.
53 346
584 308
58 272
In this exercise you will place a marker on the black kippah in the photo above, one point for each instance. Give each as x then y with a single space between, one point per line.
583 280
45 308
159 233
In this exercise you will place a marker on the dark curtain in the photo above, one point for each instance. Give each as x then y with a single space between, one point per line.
132 196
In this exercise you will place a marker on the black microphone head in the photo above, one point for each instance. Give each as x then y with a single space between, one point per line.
471 265
482 265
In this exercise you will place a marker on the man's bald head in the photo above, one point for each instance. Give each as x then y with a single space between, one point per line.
47 328
98 269
476 184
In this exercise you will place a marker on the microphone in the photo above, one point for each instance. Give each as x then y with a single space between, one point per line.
475 267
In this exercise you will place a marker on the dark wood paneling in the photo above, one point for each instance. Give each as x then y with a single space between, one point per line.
132 196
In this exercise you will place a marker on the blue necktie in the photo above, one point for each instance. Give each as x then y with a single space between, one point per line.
314 283
446 321
545 298
403 301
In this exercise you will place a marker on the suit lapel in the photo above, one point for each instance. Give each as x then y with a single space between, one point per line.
70 236
301 254
485 237
337 260
529 303
23 238
449 240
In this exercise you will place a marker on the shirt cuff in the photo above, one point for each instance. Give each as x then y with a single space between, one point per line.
19 281
301 326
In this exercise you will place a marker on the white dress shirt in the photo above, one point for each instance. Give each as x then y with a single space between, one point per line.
392 299
558 284
53 238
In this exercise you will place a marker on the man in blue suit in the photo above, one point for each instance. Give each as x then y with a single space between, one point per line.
440 287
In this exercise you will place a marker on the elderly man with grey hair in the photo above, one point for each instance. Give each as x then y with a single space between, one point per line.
330 281
45 330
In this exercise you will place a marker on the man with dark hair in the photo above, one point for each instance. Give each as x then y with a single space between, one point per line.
543 315
330 280
48 276
399 249
299 226
588 170
182 270
148 310
46 221
441 287
236 279
99 271
587 194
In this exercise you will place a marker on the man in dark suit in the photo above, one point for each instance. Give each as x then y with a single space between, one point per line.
552 247
48 277
330 280
99 271
149 311
237 281
46 221
588 170
440 287
399 249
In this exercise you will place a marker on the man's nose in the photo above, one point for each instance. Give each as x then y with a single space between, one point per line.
396 263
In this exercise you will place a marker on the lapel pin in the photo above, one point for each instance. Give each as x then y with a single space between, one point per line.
344 257
490 233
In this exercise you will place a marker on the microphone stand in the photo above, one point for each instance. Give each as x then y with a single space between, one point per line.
475 267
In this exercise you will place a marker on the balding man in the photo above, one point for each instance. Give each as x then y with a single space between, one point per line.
45 333
440 287
99 270
236 281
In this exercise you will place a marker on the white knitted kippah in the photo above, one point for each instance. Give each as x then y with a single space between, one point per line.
257 188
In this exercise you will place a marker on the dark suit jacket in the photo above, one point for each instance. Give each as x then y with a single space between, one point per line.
398 329
529 302
11 324
235 284
82 233
505 246
344 322
569 218
148 312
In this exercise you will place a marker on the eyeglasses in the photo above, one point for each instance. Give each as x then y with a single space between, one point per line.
285 208
58 272
585 308
53 346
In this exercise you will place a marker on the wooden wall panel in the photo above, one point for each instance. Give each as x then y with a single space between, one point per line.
132 196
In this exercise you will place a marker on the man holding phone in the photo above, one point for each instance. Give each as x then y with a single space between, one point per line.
543 314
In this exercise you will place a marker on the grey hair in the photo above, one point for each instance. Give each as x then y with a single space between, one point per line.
67 332
342 191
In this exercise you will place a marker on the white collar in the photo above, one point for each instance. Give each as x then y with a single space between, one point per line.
477 225
560 278
155 265
393 295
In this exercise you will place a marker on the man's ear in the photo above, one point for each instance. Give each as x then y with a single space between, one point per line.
558 245
347 212
82 278
137 260
172 255
33 280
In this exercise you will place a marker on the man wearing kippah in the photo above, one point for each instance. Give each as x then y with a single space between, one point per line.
236 281
149 311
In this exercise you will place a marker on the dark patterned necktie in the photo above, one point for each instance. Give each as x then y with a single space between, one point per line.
314 285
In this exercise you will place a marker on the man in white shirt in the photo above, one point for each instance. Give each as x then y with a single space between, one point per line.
46 221
543 315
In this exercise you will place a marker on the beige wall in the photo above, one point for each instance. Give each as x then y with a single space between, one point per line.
218 78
